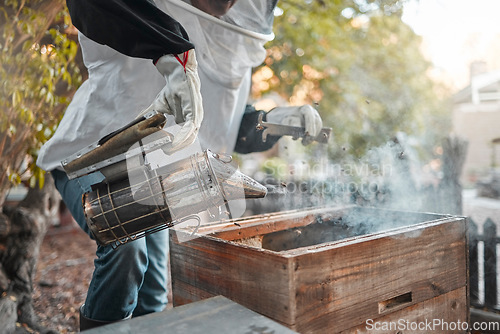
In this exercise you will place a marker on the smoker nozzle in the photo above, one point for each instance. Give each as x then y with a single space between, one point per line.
235 184
253 189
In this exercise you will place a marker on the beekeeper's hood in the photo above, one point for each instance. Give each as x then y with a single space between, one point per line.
226 49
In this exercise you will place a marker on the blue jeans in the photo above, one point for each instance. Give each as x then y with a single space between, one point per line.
129 280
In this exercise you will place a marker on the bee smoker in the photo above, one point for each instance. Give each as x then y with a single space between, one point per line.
135 199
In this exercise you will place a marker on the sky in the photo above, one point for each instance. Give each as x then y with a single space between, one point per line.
455 33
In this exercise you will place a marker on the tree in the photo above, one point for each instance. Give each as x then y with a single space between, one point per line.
363 68
38 76
361 64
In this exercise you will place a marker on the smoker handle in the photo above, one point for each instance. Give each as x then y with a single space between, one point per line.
120 130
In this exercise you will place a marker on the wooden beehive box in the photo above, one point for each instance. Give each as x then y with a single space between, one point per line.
331 270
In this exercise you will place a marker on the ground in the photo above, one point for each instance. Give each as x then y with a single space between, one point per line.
63 274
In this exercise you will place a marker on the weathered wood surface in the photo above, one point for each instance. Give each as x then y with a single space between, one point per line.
328 287
211 316
255 279
187 293
25 226
444 314
354 279
267 223
275 222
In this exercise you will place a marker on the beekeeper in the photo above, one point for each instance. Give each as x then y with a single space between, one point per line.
137 52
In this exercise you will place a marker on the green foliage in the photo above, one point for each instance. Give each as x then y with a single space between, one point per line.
362 64
38 76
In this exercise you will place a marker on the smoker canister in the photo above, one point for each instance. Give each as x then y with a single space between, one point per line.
151 200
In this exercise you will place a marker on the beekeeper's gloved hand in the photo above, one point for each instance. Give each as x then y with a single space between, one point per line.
304 116
180 97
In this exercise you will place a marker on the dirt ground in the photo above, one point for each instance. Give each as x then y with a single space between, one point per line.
63 274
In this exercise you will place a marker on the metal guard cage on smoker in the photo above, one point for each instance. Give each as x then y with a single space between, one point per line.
152 200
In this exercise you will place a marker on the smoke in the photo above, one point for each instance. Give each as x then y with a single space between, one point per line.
382 178
389 178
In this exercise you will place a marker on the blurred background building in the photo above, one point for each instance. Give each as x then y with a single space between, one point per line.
476 117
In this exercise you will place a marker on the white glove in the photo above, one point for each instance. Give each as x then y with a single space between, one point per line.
181 96
304 116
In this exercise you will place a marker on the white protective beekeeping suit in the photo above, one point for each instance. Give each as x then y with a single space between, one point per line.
227 50
119 87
